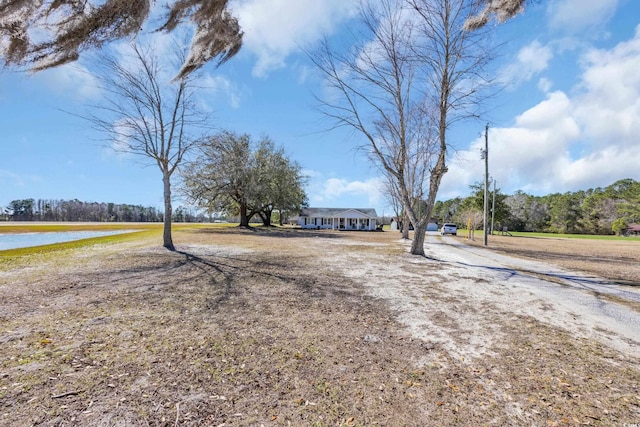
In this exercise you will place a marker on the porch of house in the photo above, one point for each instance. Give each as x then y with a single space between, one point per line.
338 219
338 223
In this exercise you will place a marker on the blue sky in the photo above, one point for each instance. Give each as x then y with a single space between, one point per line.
568 117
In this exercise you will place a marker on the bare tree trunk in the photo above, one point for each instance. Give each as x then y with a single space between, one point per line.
417 245
166 235
439 170
405 226
244 218
266 218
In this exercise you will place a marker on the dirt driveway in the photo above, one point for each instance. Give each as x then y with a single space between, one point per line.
290 327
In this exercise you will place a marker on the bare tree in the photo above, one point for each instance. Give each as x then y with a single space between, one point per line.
145 114
455 61
47 33
472 218
374 93
392 195
412 73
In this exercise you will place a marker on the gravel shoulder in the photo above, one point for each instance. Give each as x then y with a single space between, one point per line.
290 327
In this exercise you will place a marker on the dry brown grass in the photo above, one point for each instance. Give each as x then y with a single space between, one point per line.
253 328
616 260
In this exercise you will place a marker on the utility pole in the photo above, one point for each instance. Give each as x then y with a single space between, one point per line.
493 205
486 184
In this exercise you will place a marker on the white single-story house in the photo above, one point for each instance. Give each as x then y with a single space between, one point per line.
396 224
338 219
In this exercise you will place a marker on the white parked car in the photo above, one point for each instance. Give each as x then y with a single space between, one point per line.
448 228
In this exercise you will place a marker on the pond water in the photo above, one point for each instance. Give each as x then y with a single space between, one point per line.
24 240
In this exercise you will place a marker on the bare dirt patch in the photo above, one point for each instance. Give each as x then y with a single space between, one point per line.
281 327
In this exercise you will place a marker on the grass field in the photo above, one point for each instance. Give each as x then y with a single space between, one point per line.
141 230
479 234
613 258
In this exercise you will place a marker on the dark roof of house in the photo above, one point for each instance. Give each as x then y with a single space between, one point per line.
633 227
335 212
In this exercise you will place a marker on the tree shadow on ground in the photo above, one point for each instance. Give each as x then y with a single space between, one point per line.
272 232
213 279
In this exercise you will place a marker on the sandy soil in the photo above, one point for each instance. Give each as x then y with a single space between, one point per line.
290 327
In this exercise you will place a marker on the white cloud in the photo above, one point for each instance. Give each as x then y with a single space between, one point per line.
335 187
545 84
609 104
216 85
534 151
310 173
573 16
581 140
554 110
274 29
165 50
77 80
19 185
531 60
338 192
602 168
72 79
10 179
121 146
304 72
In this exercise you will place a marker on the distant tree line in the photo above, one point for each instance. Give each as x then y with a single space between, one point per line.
232 176
78 211
606 210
